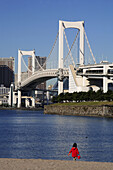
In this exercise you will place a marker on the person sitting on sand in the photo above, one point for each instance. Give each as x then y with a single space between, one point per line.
74 151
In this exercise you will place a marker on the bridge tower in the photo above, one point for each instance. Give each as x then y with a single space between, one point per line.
63 25
20 54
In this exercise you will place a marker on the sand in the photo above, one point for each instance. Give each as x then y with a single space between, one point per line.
40 164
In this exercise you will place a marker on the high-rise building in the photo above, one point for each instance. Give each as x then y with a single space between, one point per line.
41 61
6 71
10 62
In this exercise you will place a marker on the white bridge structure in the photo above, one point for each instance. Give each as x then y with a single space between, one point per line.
82 76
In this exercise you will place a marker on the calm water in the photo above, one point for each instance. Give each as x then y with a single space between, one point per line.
31 134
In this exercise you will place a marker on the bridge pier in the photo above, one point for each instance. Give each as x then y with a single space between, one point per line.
105 84
60 87
60 80
105 79
47 96
84 78
19 98
61 30
26 102
11 96
33 98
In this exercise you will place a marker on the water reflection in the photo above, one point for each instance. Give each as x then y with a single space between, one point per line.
31 134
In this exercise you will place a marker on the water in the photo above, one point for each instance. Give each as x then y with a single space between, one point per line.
31 134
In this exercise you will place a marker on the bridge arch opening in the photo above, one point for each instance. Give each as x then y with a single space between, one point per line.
77 25
25 53
71 47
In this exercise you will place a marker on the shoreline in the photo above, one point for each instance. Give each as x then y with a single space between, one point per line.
72 110
22 108
80 110
42 164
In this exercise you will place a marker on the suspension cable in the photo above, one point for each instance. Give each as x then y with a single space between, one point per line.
72 46
89 47
51 50
41 67
69 49
26 65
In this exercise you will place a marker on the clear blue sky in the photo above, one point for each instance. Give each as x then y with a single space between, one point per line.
33 24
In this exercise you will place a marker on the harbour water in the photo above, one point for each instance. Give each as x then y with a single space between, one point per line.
33 135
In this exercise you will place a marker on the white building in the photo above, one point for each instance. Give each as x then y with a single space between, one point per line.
97 76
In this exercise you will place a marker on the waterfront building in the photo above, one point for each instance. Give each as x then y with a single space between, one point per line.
6 78
10 62
6 71
95 77
4 95
3 90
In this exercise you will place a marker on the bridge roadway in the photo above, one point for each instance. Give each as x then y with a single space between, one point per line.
91 72
96 71
41 76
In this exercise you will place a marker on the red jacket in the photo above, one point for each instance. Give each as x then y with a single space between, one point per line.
74 151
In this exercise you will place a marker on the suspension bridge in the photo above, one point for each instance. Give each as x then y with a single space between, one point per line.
59 67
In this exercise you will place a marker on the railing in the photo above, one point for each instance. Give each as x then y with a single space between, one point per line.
49 73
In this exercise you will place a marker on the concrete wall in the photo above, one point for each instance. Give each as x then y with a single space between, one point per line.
77 83
106 110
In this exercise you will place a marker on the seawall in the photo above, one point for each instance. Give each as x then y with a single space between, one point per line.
93 110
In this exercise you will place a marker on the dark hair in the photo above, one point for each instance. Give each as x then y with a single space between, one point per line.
75 145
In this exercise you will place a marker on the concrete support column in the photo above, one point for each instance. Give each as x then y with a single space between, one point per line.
11 95
9 101
60 64
47 96
84 78
60 87
19 67
105 85
19 98
61 29
105 79
33 98
14 99
26 102
19 77
12 102
43 99
81 55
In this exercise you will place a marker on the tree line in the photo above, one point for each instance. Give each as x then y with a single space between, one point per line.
84 96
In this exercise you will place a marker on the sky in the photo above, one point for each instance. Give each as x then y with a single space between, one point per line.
33 24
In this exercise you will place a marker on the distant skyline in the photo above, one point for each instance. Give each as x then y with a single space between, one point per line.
33 24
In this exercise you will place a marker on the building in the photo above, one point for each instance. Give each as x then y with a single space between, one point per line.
95 77
6 78
6 71
10 62
41 61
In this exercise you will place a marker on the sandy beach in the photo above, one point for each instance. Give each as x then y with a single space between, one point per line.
40 164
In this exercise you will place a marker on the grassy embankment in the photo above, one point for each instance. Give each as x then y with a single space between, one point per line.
98 103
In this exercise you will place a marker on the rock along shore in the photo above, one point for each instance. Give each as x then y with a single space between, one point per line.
40 164
92 110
